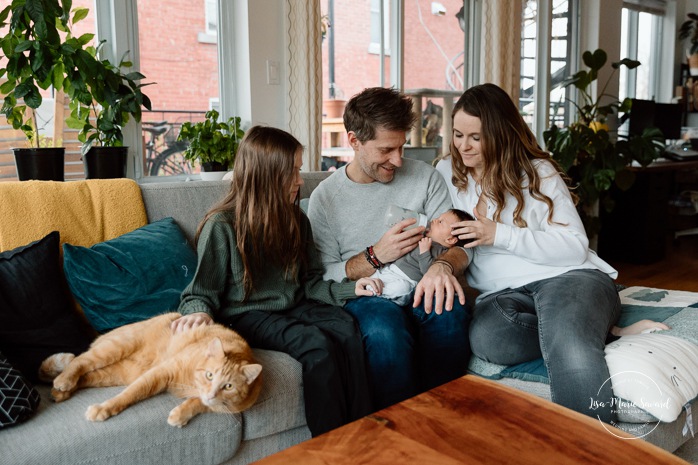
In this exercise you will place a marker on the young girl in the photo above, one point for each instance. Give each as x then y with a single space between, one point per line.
260 274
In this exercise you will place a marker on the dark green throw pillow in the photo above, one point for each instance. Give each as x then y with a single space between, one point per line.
132 277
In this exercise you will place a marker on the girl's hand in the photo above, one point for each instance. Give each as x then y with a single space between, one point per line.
368 287
424 245
191 321
481 231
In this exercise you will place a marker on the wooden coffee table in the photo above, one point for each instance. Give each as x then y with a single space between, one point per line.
474 420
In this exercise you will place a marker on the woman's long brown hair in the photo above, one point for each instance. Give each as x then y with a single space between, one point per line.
267 228
508 148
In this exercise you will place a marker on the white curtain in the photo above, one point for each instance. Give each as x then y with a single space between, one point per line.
501 44
305 78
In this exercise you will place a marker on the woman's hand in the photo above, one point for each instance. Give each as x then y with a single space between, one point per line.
191 321
482 231
368 287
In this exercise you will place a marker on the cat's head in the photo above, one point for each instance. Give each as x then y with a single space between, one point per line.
225 382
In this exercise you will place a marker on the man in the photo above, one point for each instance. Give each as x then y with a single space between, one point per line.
417 347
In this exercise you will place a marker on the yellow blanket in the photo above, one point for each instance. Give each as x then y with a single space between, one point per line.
84 212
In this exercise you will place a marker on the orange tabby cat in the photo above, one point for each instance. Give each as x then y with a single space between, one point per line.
211 366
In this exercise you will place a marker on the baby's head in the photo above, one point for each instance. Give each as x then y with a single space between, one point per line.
440 228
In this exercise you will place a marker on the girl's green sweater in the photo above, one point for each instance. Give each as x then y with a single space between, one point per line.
217 288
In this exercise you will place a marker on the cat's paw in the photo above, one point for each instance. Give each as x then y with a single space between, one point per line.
178 418
98 412
54 365
64 383
60 396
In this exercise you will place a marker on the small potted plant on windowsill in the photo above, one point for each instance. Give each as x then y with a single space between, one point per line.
40 52
212 143
116 97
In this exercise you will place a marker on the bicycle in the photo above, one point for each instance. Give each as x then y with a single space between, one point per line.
164 153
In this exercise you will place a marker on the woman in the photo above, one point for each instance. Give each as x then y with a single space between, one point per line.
543 292
259 273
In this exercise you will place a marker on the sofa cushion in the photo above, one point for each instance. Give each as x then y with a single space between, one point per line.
138 435
281 398
18 398
132 277
36 315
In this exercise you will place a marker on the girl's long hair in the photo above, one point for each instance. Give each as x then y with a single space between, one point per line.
267 228
508 148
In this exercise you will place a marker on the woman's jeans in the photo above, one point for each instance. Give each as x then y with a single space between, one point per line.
565 320
407 350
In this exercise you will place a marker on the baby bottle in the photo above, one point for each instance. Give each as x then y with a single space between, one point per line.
395 214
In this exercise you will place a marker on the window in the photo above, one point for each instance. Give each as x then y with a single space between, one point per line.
561 40
431 40
210 23
376 20
640 38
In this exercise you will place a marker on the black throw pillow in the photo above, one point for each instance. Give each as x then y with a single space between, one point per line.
18 398
36 316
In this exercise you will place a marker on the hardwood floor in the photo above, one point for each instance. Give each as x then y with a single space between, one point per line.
678 270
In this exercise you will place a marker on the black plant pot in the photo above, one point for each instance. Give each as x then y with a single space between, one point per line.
212 166
44 164
105 162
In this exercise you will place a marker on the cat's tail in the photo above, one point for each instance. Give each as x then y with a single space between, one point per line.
54 366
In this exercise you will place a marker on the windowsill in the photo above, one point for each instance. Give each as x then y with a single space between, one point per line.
206 38
375 49
163 179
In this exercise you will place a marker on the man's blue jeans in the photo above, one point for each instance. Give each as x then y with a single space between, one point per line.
565 320
407 350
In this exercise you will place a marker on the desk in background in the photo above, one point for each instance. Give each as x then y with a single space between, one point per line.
636 230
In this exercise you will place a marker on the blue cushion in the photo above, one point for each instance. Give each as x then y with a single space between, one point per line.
132 277
37 318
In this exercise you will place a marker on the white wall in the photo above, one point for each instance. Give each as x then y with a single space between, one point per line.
259 37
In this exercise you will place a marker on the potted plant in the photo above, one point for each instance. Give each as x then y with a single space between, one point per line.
116 97
589 152
689 30
40 52
212 143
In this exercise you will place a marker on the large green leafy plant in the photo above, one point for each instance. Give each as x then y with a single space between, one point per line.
211 141
593 156
41 52
116 96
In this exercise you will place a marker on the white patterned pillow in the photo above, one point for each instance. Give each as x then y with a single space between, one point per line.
656 372
18 399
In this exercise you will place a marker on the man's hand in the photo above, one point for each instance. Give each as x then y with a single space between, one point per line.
191 321
438 285
396 242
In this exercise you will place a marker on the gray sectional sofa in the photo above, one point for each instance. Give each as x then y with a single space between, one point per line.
59 434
